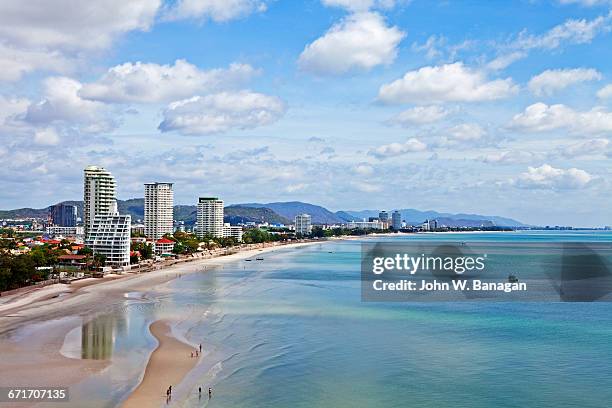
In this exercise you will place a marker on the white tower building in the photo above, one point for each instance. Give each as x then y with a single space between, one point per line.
210 217
99 194
158 209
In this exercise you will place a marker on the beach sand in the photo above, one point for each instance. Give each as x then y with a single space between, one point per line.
33 329
168 365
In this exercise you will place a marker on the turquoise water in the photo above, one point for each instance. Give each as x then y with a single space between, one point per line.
291 331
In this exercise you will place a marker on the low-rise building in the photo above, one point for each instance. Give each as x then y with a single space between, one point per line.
164 246
375 225
109 235
232 231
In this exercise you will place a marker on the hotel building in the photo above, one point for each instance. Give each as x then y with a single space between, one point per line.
232 231
99 195
209 220
158 210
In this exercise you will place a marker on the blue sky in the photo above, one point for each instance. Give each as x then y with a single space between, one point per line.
487 107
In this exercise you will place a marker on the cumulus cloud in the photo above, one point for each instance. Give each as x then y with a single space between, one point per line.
363 169
17 62
11 109
360 41
553 80
148 82
540 117
217 113
445 83
366 187
605 92
63 105
73 25
548 177
216 10
420 115
398 149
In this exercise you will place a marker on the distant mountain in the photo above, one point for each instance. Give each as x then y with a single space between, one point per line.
186 213
284 212
346 217
320 215
412 216
235 214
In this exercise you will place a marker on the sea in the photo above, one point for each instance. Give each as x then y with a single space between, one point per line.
291 330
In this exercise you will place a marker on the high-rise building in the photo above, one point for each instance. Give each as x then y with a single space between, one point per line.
303 224
64 215
158 210
109 235
210 217
99 195
396 220
383 216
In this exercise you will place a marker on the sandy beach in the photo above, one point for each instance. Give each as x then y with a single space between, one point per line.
168 365
33 327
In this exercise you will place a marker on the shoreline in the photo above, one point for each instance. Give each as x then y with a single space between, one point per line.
40 328
168 364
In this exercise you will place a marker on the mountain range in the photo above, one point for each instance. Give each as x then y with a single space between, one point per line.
284 212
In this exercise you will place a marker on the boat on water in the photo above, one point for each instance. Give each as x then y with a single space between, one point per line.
512 279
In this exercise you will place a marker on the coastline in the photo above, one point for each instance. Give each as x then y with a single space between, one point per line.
168 365
32 334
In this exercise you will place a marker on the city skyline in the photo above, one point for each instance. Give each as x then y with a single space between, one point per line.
350 105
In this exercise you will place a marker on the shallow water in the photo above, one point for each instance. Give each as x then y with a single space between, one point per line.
291 331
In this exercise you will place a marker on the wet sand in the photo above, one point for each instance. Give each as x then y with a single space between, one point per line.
168 365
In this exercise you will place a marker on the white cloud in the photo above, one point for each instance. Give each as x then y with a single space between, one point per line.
360 5
540 117
445 83
466 132
571 31
438 46
553 80
548 177
588 147
148 82
48 137
221 112
10 111
586 3
360 41
398 149
68 24
363 169
366 187
62 104
505 60
420 115
17 62
510 157
605 92
216 10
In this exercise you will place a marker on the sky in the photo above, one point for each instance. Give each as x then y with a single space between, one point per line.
489 107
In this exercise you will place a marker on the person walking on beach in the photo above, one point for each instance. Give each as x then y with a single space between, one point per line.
199 392
209 392
200 347
192 354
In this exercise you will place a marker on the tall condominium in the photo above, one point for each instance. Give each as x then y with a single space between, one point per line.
158 209
303 224
210 217
396 220
64 215
99 195
383 216
109 235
